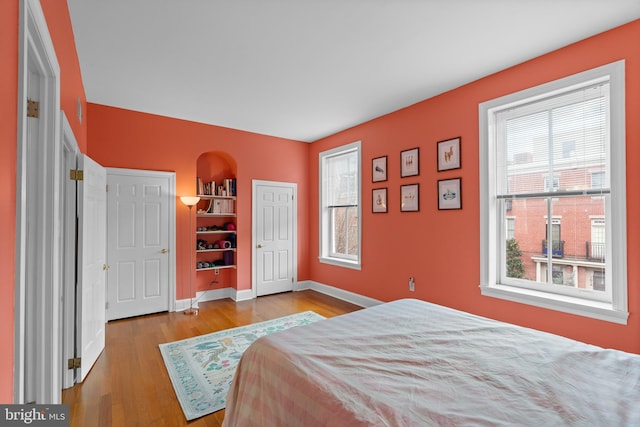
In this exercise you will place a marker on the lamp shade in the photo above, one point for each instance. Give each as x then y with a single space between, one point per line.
190 200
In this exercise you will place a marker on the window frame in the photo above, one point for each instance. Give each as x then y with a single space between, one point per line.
491 230
326 252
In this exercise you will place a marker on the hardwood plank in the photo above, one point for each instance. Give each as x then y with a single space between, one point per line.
129 384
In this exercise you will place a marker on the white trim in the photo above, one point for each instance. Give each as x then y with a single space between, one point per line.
68 242
36 53
241 294
245 295
323 252
617 310
341 294
214 295
567 304
171 200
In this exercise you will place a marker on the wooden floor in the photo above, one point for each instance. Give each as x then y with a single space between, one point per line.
129 384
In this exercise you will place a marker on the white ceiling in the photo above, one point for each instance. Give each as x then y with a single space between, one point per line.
305 69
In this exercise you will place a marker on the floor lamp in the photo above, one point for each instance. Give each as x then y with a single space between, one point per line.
190 201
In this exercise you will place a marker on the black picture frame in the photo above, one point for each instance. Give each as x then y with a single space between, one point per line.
410 198
379 169
449 154
410 162
450 194
379 201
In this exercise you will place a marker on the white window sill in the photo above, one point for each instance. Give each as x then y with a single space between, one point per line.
566 304
355 265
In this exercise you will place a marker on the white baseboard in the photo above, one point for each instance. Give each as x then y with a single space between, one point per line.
247 294
242 295
347 296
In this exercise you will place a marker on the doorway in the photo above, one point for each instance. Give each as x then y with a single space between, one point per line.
140 242
38 243
274 224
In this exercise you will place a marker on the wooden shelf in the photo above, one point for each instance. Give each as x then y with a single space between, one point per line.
210 196
219 267
215 250
213 215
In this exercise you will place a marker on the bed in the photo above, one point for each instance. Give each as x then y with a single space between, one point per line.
413 363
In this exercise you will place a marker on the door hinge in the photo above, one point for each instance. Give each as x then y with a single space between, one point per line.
76 175
33 108
74 363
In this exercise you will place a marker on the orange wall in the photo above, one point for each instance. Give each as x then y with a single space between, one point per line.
127 139
441 248
71 88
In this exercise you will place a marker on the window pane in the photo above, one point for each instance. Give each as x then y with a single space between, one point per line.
578 241
342 179
345 231
557 144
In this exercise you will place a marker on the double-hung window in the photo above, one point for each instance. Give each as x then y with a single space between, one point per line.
340 206
540 150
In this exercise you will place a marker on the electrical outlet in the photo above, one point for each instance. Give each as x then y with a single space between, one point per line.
412 284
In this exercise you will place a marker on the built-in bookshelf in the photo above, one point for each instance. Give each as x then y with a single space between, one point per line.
216 227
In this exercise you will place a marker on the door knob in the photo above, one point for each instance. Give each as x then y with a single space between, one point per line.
164 251
105 267
259 245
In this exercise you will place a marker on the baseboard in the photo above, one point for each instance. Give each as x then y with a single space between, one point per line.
347 296
242 295
247 294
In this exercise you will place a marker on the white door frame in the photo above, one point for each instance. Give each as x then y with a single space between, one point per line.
171 177
37 55
68 274
254 231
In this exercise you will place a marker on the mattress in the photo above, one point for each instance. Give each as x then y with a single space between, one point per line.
413 363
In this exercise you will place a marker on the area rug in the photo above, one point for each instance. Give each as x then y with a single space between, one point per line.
201 368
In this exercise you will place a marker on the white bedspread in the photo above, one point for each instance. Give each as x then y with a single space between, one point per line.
412 363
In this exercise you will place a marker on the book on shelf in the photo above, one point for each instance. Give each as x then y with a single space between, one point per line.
225 188
221 206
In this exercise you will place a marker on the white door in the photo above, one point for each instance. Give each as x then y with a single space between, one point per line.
92 230
275 219
139 206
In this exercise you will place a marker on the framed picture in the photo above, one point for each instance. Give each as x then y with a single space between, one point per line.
409 198
449 154
450 193
409 162
379 169
379 200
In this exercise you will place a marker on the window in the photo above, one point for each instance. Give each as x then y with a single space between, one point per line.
547 183
572 131
597 179
511 228
557 245
596 248
340 207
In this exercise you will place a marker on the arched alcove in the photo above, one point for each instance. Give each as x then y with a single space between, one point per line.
216 222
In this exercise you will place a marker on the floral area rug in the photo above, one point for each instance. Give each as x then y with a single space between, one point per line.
201 368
